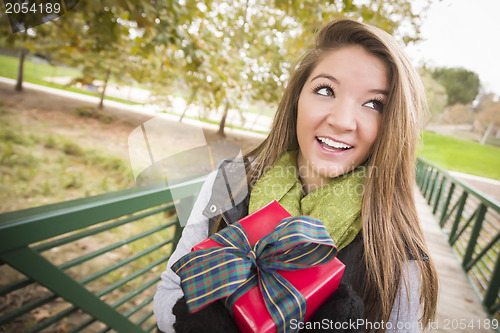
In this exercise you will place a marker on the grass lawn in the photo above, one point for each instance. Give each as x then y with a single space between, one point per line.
39 167
33 71
36 72
460 155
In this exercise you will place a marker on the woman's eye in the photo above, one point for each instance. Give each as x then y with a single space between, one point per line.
324 91
376 105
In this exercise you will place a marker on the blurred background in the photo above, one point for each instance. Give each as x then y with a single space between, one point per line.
76 90
224 64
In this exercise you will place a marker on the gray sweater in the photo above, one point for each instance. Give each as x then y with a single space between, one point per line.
404 316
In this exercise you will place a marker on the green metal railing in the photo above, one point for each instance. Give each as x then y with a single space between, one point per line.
51 276
472 222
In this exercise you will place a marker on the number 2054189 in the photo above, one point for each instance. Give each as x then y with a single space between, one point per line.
463 324
34 8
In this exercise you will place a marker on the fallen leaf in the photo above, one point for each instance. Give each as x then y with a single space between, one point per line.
40 314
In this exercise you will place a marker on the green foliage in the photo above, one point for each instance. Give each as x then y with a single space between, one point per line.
14 156
110 163
244 52
12 136
50 142
462 85
72 148
105 38
460 155
92 112
388 15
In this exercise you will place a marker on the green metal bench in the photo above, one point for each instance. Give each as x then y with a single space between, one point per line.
472 222
115 296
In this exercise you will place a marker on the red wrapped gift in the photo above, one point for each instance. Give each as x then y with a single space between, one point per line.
316 283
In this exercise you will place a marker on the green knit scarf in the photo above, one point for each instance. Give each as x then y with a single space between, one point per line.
337 204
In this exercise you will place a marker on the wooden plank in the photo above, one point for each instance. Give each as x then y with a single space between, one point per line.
458 304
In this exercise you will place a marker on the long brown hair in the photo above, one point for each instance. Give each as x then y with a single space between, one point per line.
391 231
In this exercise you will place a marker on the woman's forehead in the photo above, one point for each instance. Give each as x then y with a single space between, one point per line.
352 62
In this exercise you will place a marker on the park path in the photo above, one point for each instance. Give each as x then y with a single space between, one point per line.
489 187
457 302
44 100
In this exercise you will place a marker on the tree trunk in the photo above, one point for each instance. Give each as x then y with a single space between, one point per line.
486 133
191 99
222 124
54 70
20 71
101 103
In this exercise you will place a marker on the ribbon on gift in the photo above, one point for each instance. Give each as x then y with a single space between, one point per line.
214 273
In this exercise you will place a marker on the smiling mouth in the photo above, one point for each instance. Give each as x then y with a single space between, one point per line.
332 145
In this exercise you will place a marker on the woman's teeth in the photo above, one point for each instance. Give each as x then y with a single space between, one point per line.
333 144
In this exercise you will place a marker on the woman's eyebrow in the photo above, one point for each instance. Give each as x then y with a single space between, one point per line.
379 91
326 76
333 79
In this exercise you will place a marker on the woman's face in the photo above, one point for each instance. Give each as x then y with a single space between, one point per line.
339 112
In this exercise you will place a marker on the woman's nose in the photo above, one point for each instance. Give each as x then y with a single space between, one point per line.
342 115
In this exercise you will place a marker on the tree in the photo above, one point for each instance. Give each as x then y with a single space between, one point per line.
20 41
488 110
235 56
118 38
388 15
436 94
246 49
458 114
18 29
110 41
462 85
224 53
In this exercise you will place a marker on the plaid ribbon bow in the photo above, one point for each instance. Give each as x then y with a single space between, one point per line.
210 274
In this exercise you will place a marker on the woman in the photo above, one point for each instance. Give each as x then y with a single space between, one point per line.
347 129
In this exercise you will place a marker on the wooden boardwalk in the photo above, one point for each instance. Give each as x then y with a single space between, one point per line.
458 304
